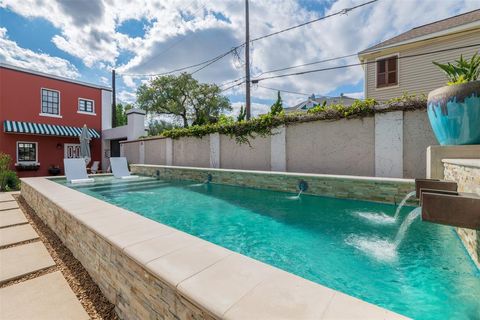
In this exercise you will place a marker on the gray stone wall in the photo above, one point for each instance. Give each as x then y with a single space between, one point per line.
468 180
135 292
361 188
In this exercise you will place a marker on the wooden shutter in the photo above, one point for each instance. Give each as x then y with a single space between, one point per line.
387 72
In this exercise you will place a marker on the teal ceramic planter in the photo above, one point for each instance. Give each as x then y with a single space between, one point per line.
454 113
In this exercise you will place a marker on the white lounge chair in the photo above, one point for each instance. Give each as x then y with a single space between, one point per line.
120 168
95 167
76 171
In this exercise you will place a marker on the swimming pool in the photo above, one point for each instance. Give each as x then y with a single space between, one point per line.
339 243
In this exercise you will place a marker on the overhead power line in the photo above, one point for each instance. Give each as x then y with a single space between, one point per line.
361 63
233 86
286 91
209 61
354 54
343 11
219 57
307 64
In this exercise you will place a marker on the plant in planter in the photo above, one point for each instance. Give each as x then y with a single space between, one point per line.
54 170
27 166
454 110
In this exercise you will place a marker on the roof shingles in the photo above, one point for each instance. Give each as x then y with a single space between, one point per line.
430 28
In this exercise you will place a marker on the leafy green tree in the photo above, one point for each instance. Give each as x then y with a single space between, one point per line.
121 114
184 98
156 127
242 115
277 107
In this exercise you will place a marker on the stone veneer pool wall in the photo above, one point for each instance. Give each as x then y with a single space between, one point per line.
466 172
386 190
152 271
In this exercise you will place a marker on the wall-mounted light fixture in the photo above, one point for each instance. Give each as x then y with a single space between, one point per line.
59 146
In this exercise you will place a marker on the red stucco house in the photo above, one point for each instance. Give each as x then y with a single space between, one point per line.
41 116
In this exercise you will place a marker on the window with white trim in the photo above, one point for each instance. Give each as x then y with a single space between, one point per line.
387 72
50 102
85 105
27 152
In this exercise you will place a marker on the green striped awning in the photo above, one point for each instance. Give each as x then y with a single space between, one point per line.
45 129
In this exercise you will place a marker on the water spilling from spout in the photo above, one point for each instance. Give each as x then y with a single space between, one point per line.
296 197
414 214
402 203
383 249
199 184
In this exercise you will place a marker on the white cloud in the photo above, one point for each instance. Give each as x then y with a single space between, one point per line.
105 80
13 54
257 108
185 32
129 82
126 97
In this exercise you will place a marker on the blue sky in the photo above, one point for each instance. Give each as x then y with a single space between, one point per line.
86 39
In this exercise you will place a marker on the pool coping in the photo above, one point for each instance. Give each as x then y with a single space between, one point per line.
220 283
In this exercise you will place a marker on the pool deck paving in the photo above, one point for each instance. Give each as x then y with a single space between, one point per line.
12 217
17 234
28 288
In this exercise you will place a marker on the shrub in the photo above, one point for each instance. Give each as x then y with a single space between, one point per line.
8 178
262 126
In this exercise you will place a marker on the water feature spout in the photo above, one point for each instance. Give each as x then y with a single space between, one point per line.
296 197
436 184
207 181
453 209
402 203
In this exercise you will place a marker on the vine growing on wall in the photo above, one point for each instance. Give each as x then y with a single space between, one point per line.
262 125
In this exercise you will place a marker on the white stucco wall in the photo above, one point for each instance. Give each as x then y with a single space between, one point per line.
255 156
155 151
389 144
417 136
193 152
332 147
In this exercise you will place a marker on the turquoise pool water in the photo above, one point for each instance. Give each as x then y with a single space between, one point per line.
346 245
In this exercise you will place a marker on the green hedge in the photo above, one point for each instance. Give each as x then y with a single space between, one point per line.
262 126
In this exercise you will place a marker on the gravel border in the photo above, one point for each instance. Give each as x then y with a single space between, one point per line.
86 290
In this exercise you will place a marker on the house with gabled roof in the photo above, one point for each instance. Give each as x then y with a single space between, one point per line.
403 64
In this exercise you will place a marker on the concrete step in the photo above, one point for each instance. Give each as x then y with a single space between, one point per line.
17 234
45 297
12 217
18 261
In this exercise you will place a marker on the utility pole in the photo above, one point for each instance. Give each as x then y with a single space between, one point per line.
247 61
114 102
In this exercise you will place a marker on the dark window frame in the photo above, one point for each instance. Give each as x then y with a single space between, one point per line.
27 152
86 105
384 64
50 102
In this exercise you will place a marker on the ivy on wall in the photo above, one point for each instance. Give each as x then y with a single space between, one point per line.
262 126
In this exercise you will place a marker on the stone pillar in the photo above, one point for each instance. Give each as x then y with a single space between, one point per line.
389 144
135 123
122 150
215 150
278 150
169 152
141 151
